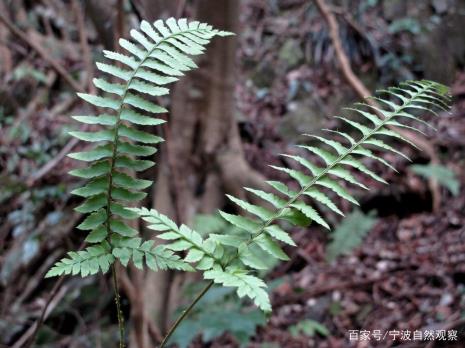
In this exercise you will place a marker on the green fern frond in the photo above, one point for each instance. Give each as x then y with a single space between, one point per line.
227 259
337 161
157 55
263 226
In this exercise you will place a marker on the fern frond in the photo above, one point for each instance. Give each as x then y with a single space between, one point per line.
263 227
157 55
225 259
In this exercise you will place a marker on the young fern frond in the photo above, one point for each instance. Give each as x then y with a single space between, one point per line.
232 259
157 56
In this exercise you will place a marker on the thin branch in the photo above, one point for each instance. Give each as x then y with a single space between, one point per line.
5 54
184 314
41 51
45 312
77 8
71 82
45 169
363 92
120 24
51 164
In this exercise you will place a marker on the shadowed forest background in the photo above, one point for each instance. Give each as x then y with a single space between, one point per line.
396 262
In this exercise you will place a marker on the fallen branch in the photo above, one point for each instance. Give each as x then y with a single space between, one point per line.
77 8
5 54
408 270
28 338
363 92
34 178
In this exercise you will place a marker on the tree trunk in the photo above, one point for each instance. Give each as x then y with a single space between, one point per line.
202 158
152 10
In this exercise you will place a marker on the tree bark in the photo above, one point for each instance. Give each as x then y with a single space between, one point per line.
152 10
101 16
202 158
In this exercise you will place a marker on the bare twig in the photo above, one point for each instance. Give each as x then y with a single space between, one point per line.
54 297
37 278
319 291
5 54
44 170
120 24
29 337
363 92
41 51
77 8
51 164
71 82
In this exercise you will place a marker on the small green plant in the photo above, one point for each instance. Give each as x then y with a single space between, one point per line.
443 175
158 56
209 319
407 24
309 328
349 234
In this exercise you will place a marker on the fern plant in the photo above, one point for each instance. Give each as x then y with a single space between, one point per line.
159 55
349 234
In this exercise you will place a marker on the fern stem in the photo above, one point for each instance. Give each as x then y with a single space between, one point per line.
184 314
119 312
